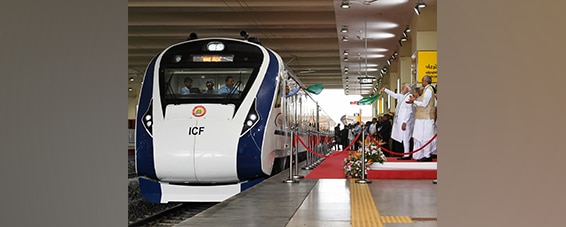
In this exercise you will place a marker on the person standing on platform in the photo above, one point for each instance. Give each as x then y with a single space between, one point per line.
344 133
384 132
372 128
403 120
351 136
337 139
423 130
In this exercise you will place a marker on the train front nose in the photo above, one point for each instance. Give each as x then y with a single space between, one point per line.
197 147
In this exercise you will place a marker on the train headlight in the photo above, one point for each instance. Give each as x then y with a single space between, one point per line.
215 46
147 119
251 119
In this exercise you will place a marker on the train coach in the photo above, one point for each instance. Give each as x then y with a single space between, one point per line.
193 144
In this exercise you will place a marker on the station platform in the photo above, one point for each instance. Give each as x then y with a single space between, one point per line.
326 202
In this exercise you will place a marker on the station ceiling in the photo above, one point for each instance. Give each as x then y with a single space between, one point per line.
306 33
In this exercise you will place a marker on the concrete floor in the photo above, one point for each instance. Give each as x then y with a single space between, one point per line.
324 202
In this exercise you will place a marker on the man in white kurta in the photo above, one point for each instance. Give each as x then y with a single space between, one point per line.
404 120
424 129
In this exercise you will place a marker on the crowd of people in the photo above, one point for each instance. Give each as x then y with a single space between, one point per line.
412 125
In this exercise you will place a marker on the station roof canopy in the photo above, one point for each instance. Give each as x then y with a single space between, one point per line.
308 34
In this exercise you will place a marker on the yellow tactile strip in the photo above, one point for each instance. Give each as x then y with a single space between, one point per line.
396 219
362 207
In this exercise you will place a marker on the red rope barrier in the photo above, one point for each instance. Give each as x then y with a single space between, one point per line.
297 138
351 144
308 149
319 155
397 153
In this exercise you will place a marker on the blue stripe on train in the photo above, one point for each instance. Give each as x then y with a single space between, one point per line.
144 141
150 190
248 159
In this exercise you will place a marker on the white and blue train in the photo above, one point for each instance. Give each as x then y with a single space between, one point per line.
205 146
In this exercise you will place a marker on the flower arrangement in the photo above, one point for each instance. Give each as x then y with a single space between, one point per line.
353 163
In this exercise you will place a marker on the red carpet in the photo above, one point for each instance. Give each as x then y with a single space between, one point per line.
332 168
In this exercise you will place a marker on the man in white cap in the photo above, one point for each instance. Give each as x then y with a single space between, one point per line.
403 120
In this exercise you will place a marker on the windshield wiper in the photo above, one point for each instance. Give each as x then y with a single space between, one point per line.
232 92
170 89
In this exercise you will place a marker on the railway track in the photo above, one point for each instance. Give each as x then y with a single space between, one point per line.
173 215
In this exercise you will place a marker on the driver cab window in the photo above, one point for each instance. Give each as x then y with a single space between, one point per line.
210 81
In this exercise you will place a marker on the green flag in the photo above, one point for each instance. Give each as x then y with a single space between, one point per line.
368 100
315 88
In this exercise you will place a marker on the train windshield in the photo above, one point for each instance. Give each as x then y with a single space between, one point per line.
193 72
201 85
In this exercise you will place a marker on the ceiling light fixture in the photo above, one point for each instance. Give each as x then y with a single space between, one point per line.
345 5
345 58
420 4
345 38
407 29
344 29
130 89
346 53
131 79
417 11
389 61
403 39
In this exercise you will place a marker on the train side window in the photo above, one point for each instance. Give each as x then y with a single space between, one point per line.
278 98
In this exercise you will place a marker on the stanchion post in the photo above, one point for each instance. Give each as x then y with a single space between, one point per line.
297 175
286 118
291 179
363 180
309 156
318 147
309 146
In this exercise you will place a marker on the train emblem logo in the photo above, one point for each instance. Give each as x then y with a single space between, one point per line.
199 111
